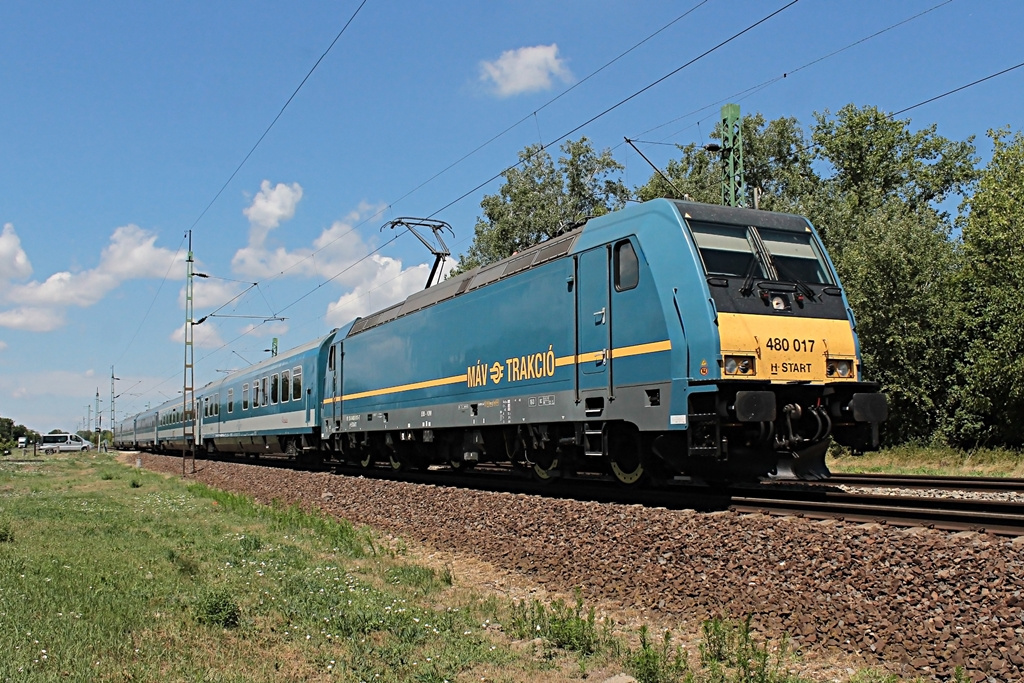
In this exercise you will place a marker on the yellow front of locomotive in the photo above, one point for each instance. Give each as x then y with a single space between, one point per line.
784 350
789 378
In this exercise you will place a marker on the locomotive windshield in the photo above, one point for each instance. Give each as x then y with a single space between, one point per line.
795 255
754 252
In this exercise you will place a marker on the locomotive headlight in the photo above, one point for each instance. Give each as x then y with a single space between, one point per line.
739 365
839 367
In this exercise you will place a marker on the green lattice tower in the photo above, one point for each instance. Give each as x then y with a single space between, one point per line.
734 187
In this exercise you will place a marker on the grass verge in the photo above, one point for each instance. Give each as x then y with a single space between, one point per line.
112 573
930 460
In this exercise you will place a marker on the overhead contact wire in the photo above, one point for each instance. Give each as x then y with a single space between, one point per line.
497 136
752 89
621 102
292 97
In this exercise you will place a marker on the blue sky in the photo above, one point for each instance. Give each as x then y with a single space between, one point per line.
121 121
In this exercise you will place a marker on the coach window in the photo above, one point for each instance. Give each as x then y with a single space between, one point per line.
627 267
296 383
231 400
286 385
263 382
245 396
273 389
216 404
255 393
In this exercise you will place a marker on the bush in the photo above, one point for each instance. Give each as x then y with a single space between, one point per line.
218 608
730 646
250 543
651 664
563 625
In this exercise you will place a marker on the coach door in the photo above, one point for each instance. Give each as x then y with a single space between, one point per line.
210 415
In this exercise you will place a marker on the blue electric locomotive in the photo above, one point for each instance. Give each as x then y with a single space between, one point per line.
682 338
668 338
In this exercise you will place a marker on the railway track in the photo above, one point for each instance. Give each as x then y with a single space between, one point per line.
954 514
928 482
810 500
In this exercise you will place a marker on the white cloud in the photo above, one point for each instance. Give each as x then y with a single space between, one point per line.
3 345
131 254
65 289
387 284
210 294
205 336
14 263
338 254
527 69
32 319
270 207
336 249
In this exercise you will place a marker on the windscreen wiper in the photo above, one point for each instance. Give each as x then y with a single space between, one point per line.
748 279
788 274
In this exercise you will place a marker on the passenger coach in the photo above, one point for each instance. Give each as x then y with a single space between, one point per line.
271 407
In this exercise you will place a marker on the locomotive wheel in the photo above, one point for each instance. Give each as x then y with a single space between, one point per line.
366 459
545 465
291 449
404 457
459 465
625 454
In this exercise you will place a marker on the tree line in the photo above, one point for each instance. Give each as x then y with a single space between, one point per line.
928 243
11 432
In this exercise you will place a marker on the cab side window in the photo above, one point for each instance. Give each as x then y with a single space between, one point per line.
627 266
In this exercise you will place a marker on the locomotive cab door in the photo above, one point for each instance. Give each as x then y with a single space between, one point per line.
593 316
332 390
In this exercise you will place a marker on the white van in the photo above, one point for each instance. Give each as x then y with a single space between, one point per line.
53 443
22 442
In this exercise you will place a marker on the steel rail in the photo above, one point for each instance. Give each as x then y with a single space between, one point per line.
927 481
995 517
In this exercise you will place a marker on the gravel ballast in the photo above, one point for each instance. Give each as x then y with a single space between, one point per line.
919 601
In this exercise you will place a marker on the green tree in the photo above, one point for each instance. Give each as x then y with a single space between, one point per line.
879 214
874 189
988 401
538 199
897 268
11 432
877 158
